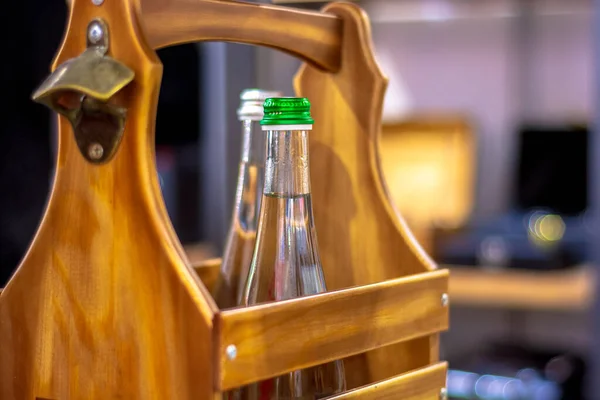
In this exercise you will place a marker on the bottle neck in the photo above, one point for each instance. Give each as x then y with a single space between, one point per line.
286 166
286 262
253 144
250 176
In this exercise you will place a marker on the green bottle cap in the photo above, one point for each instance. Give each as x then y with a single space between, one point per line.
287 111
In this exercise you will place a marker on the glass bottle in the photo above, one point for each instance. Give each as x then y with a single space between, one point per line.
242 232
286 262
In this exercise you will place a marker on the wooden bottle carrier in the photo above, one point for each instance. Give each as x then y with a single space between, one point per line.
105 304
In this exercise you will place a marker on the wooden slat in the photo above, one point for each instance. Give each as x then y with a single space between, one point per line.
276 338
422 384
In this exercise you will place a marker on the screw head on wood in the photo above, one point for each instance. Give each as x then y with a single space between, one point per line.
97 2
443 394
95 32
231 352
95 151
445 299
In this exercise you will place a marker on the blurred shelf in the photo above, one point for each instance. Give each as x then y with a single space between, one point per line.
565 290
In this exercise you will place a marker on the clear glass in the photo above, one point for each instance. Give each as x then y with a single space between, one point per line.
286 262
242 233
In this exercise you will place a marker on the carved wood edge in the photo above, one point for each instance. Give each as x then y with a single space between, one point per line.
352 12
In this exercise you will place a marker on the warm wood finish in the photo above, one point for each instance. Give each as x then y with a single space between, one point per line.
571 289
103 305
314 37
422 384
356 222
300 333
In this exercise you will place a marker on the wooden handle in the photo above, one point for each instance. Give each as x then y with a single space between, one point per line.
313 37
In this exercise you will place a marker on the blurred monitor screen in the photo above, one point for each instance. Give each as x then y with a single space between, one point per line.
552 168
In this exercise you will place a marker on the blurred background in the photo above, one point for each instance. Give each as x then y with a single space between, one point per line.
486 146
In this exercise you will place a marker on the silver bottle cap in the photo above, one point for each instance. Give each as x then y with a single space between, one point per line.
251 105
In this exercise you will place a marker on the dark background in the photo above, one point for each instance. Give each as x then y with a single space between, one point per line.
28 46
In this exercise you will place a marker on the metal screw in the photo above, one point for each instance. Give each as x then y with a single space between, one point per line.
231 352
95 151
97 2
95 32
445 299
443 394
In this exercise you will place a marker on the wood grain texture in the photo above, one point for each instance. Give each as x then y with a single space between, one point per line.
281 337
104 306
312 36
356 223
422 384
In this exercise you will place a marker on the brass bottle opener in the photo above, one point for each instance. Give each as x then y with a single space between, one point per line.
80 90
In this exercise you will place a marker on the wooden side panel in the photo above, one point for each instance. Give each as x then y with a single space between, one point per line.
276 338
423 384
356 223
103 305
